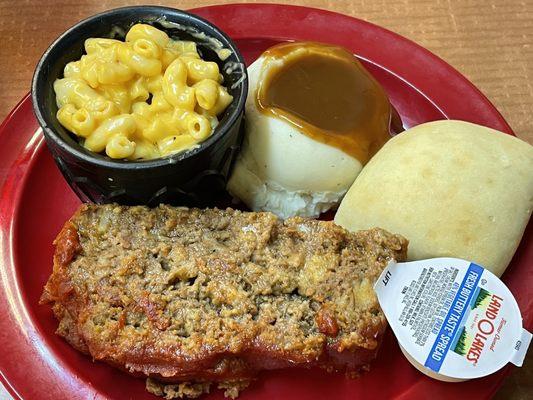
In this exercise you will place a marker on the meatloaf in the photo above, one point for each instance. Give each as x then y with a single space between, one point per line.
188 297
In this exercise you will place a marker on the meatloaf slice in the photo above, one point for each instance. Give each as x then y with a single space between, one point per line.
199 296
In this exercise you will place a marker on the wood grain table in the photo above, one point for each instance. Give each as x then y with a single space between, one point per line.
489 41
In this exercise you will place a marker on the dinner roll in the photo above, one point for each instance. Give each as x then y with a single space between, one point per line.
452 188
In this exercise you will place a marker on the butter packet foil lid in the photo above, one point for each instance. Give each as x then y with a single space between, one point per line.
453 318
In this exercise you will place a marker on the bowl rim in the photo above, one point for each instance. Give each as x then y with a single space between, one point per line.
159 11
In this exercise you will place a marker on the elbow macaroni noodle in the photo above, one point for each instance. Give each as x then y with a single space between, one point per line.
144 98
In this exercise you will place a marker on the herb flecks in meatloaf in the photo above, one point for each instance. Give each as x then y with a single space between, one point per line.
198 296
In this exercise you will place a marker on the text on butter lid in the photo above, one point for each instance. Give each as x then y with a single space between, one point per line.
452 316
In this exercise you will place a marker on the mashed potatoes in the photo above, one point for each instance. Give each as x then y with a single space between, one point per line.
293 165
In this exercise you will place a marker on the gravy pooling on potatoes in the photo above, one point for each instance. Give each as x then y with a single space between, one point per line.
328 95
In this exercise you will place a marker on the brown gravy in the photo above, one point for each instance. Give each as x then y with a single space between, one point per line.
328 95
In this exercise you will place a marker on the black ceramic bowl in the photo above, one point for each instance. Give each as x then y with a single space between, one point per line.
196 177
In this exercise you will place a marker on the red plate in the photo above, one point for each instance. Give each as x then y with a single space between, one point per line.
35 202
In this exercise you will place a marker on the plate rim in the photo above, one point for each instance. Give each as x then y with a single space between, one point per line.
19 168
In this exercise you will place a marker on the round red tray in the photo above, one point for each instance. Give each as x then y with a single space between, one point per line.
35 201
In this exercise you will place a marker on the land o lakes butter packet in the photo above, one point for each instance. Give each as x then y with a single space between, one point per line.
454 319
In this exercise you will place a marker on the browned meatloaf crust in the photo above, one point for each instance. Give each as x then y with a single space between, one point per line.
189 295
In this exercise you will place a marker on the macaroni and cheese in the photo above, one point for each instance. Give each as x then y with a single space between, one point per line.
146 97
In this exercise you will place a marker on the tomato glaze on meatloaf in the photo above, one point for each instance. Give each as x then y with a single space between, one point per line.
187 297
